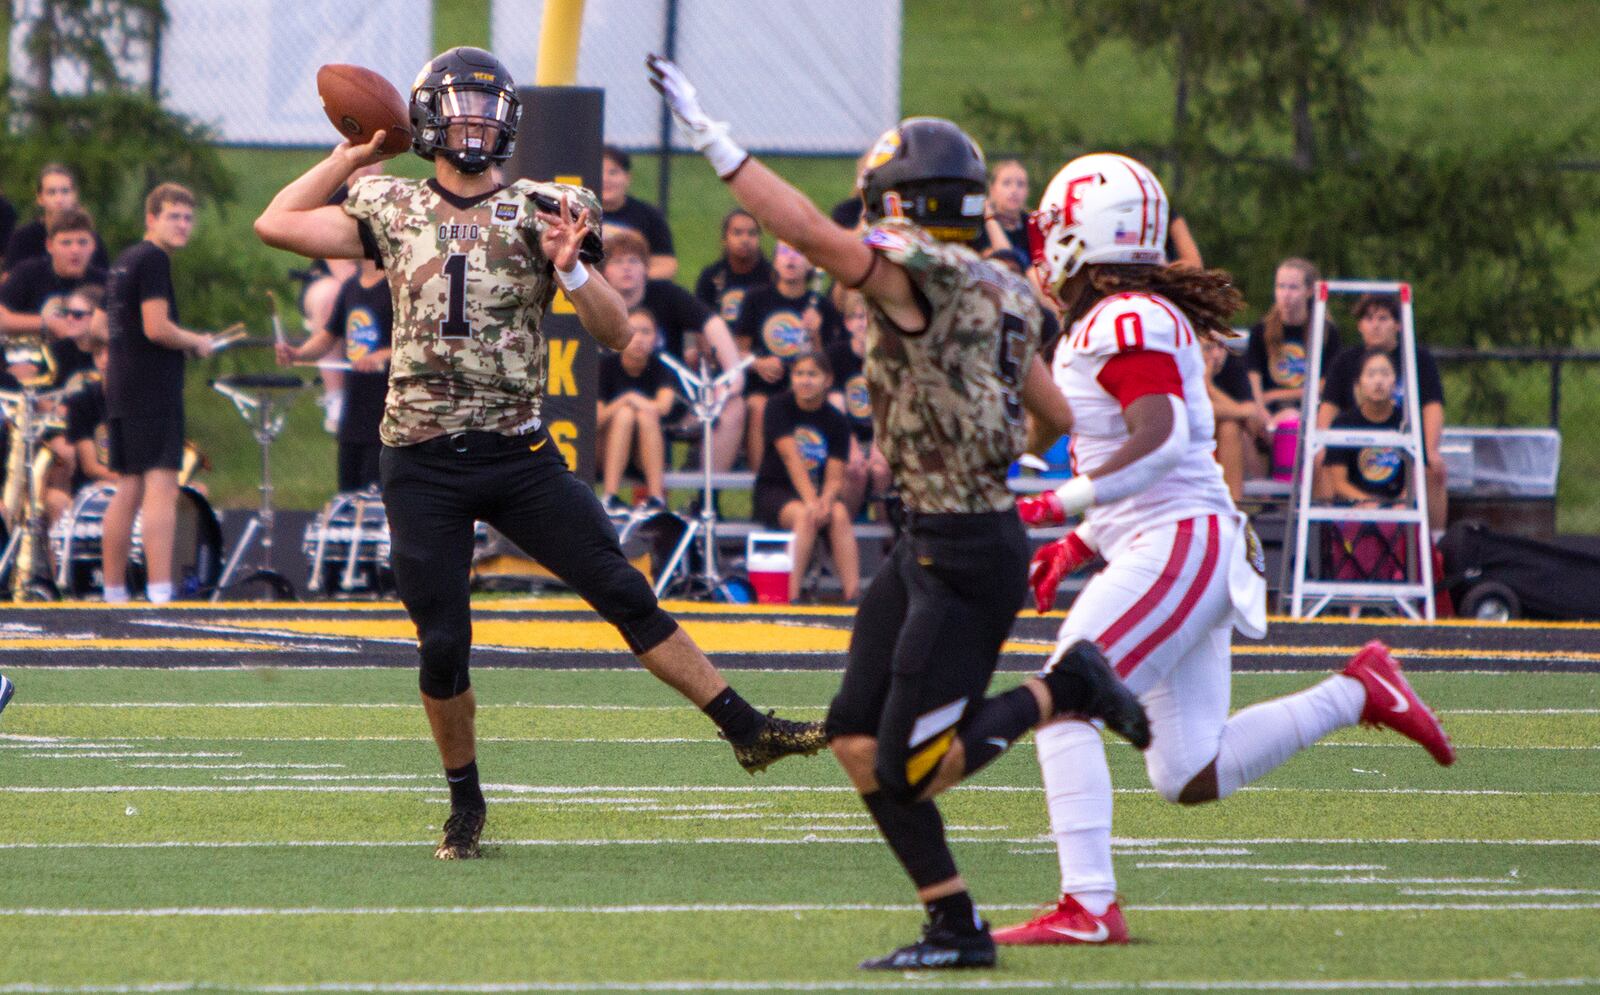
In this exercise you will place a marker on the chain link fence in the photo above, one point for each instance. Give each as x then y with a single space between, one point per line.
247 68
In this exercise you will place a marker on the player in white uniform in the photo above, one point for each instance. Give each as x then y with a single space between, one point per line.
1183 567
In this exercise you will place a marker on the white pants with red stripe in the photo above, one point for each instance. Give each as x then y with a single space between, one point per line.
1163 613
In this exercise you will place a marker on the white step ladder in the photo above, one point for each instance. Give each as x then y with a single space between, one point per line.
1414 596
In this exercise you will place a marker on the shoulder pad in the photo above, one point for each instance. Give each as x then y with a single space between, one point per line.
902 242
369 193
547 197
1132 323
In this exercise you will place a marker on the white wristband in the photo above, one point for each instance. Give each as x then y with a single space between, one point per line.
1076 495
725 155
573 278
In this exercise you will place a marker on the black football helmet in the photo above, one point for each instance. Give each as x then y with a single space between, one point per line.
930 172
468 88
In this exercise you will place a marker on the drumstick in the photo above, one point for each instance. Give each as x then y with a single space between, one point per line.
278 336
228 336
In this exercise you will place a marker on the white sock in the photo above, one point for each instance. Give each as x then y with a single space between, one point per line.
159 594
1258 739
1077 788
116 595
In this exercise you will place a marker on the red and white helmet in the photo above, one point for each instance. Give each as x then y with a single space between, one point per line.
1100 208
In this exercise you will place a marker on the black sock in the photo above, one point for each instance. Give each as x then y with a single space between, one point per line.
915 833
465 792
954 912
734 716
996 724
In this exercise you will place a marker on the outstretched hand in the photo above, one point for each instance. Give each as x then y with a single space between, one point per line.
562 234
705 135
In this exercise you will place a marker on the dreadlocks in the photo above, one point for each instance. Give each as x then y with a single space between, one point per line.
1207 297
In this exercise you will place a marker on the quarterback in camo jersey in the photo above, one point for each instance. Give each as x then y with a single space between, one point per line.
473 265
466 358
950 362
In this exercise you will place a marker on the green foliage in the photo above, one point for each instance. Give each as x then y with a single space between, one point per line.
120 142
1273 142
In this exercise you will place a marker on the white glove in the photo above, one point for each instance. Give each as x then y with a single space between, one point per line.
708 137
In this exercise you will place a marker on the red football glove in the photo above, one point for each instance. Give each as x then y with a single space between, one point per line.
1052 562
1041 509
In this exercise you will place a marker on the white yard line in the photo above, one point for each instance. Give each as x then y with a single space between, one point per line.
487 706
904 982
247 911
1122 846
1231 865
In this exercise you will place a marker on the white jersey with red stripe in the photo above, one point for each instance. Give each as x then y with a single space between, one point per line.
1127 325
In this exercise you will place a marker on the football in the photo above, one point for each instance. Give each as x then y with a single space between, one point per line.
360 103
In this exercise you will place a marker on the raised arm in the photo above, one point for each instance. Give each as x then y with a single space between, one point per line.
300 219
599 306
784 210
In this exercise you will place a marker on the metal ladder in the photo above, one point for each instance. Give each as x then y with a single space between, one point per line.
1414 596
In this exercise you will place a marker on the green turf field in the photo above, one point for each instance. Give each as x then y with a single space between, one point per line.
270 830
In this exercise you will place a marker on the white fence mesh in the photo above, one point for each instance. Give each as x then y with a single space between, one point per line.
248 68
821 76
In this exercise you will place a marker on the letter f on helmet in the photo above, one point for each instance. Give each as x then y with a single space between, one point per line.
1100 208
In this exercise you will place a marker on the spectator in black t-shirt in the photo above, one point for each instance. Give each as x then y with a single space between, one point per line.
866 472
57 191
362 318
1007 209
44 341
1238 417
1276 357
684 326
86 423
144 394
635 394
1369 476
723 285
801 476
8 219
777 324
1378 321
625 211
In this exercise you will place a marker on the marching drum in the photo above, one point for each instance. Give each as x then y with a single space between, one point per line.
75 544
347 544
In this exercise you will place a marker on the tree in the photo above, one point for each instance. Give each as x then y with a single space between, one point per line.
121 142
1272 154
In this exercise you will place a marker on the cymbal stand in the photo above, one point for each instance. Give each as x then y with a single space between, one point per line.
707 396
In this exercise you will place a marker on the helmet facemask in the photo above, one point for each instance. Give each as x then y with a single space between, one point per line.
471 125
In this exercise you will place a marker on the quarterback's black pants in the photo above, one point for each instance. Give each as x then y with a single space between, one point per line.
433 492
927 638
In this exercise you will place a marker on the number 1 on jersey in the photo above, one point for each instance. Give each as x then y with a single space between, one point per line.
455 324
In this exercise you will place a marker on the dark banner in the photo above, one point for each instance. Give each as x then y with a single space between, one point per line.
560 140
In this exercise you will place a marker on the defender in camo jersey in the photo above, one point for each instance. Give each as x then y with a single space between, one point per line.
473 264
951 360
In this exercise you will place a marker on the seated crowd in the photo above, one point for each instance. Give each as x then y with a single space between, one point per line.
798 416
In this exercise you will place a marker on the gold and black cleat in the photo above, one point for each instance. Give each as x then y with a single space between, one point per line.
777 739
461 832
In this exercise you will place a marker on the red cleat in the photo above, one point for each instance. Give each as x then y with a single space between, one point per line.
1068 922
1392 703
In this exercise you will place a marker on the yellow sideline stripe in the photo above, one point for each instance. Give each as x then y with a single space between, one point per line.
1463 653
166 645
713 637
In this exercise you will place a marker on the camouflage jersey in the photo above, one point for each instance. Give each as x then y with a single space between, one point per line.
470 288
946 402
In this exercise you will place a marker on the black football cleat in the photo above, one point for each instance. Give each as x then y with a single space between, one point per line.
777 739
461 832
1083 684
940 948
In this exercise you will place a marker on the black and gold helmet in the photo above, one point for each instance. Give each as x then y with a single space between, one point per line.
930 172
468 88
